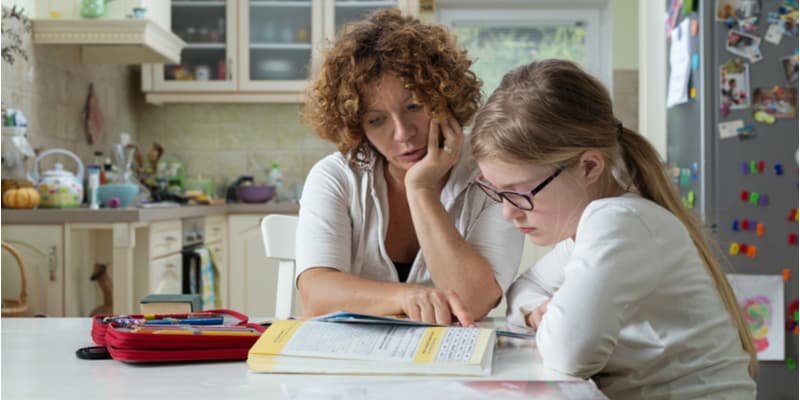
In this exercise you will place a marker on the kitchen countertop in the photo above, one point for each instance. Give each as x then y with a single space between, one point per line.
49 216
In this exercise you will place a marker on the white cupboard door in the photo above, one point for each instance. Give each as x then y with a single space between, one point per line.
166 275
277 42
208 62
41 248
253 277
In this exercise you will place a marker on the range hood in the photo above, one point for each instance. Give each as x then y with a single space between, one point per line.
111 41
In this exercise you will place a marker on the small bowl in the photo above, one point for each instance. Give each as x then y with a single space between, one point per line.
125 192
255 193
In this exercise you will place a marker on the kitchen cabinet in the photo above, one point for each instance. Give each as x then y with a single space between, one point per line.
266 53
253 277
42 251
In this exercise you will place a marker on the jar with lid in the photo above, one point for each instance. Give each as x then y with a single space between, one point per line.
15 150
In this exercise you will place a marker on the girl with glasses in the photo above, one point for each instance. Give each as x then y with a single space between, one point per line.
631 294
392 223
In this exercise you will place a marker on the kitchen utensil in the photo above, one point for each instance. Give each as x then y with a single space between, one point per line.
255 193
92 117
58 187
125 192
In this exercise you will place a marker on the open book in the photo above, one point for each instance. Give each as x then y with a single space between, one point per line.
351 317
311 346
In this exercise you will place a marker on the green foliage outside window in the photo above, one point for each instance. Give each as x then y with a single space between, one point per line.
496 50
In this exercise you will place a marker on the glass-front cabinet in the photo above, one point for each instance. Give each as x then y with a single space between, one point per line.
209 59
251 50
278 38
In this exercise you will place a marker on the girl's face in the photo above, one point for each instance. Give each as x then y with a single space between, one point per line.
557 207
395 123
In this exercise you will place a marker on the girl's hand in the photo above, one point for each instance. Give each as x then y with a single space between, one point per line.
436 306
429 173
534 318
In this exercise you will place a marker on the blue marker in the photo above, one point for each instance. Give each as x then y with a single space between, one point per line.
190 321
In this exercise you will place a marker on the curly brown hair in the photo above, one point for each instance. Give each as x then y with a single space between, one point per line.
424 57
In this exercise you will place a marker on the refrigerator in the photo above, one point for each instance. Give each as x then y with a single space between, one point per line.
743 182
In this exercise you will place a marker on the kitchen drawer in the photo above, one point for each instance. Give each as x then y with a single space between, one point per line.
215 228
165 238
166 275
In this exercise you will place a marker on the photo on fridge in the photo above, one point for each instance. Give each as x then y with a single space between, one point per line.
789 68
778 101
734 84
745 45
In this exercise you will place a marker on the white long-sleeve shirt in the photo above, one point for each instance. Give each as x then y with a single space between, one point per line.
344 218
633 307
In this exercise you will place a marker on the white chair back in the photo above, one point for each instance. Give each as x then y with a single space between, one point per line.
278 232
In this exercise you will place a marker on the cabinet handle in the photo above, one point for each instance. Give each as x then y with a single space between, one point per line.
51 263
230 72
170 238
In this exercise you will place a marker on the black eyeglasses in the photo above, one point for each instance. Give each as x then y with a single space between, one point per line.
522 201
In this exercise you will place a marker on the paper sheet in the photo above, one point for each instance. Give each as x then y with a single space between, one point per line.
680 65
761 302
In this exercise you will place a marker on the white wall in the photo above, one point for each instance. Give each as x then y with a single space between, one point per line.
653 74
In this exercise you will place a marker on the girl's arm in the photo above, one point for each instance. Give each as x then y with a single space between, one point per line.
537 284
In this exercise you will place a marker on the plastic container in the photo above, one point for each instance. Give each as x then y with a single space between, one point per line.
276 180
124 192
255 193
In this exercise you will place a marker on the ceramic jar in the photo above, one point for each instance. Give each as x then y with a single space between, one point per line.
58 187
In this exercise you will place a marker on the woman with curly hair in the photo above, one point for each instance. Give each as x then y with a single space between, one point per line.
392 223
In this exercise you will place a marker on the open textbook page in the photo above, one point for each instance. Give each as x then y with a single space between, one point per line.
351 317
309 346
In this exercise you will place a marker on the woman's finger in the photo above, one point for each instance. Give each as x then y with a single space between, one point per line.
460 311
427 314
433 136
442 310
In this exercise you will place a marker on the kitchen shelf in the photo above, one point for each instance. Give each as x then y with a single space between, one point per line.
280 46
365 4
198 4
280 4
206 46
111 41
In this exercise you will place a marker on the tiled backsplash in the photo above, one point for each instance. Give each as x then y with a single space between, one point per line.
51 88
223 141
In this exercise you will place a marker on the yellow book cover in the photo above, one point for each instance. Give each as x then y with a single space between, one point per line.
308 346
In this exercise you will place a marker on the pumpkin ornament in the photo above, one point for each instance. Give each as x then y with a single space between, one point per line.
21 198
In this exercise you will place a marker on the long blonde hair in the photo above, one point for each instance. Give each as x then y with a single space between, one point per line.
551 111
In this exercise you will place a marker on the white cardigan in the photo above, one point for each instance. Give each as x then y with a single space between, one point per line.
633 306
344 218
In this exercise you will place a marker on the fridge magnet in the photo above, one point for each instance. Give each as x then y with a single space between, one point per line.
744 132
760 300
729 129
791 317
787 15
745 45
789 68
779 101
734 77
774 34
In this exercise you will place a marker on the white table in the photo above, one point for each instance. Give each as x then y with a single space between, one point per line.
38 362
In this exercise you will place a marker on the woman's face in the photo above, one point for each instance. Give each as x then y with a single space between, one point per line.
557 207
395 123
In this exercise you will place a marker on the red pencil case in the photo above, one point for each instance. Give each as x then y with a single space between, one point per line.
180 342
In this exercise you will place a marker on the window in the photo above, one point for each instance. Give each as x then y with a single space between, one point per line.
499 40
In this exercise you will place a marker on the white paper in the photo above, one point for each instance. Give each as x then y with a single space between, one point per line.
774 34
761 302
728 129
680 65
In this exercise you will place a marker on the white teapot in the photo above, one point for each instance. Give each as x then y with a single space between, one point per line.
58 187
